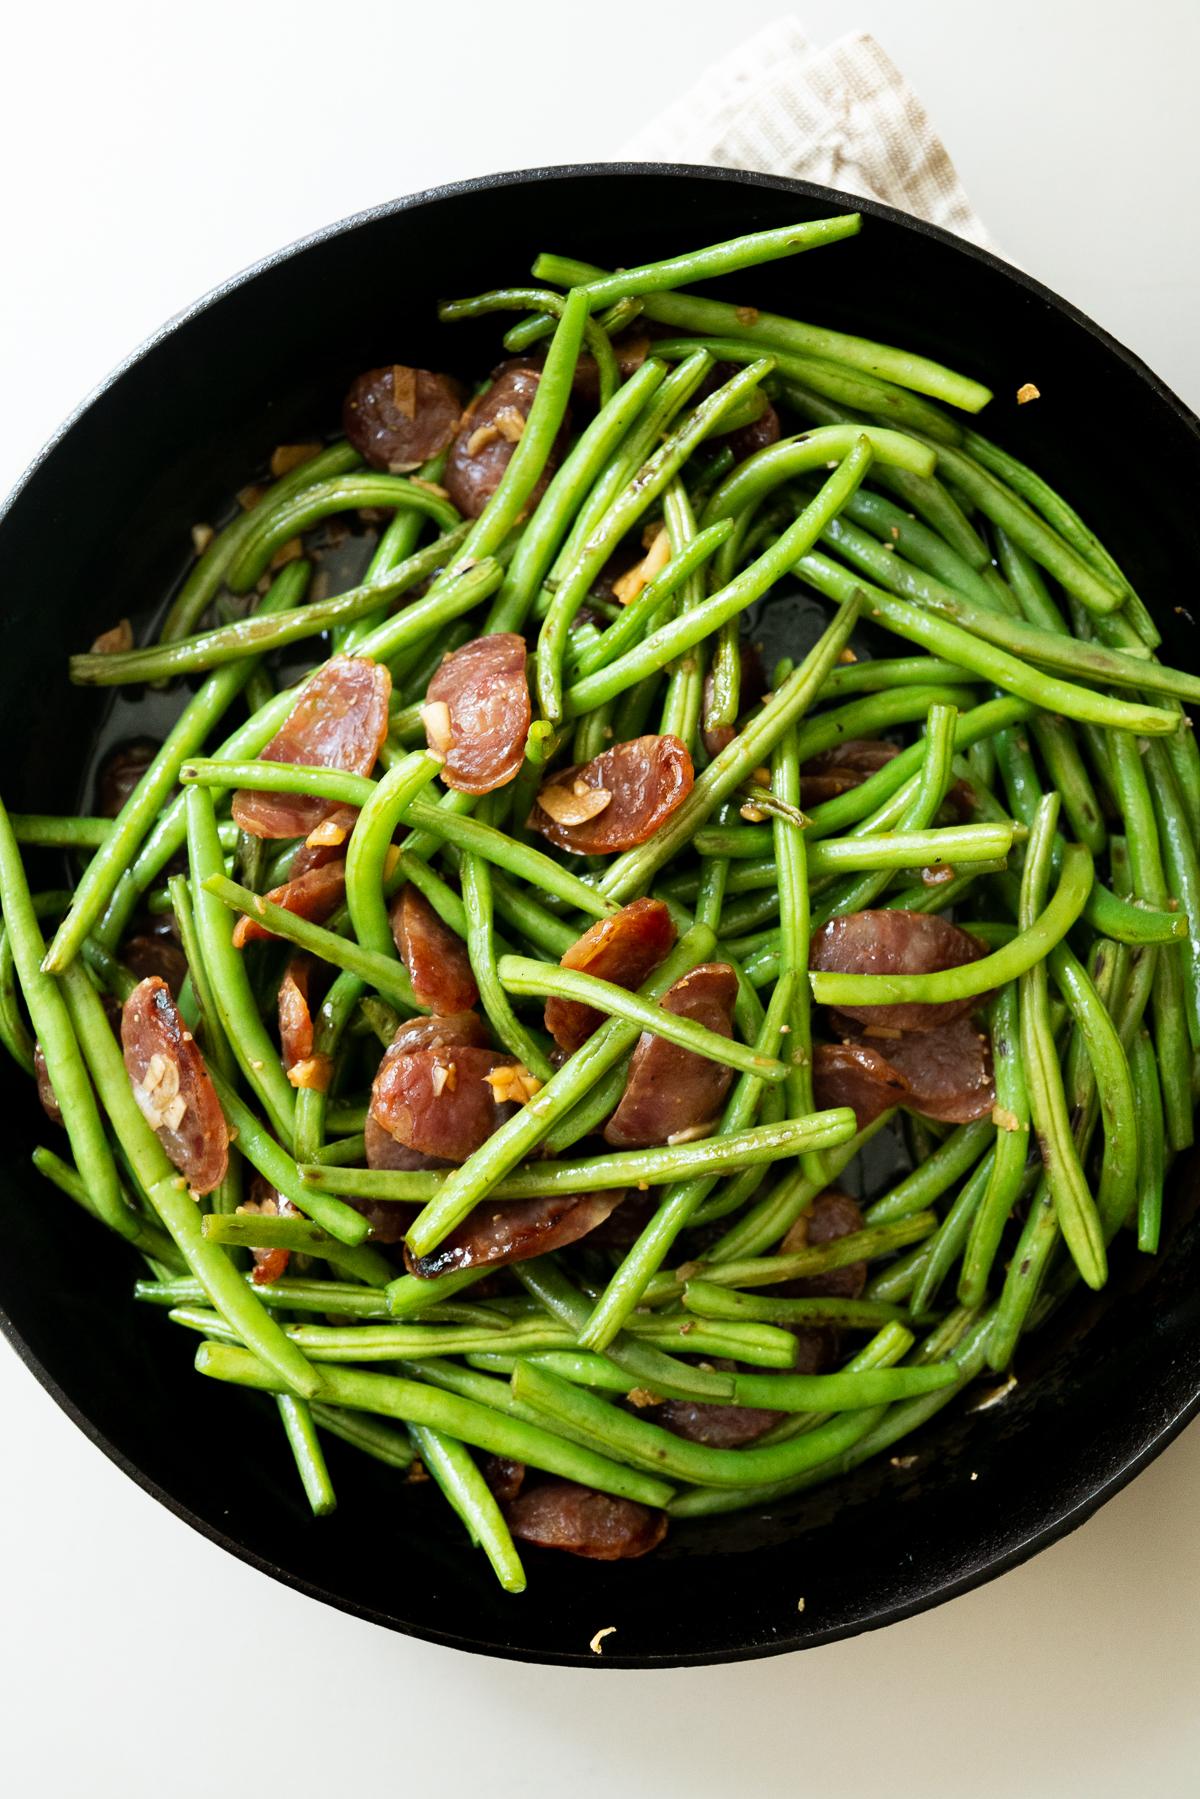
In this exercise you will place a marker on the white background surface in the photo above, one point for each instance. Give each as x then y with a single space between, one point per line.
150 150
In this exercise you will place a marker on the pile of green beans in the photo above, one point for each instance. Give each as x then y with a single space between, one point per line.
1044 793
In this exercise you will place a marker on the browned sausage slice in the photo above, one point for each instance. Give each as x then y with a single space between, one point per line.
314 895
561 1515
617 800
153 952
855 1075
340 720
502 1231
894 941
264 1202
477 713
172 1085
439 1101
949 1071
434 955
624 949
490 431
399 417
673 1093
120 773
833 1214
845 766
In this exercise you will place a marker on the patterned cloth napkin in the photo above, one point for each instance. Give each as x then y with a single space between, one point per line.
843 116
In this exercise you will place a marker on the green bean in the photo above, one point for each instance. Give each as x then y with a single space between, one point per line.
716 317
514 1139
1182 869
464 1487
1113 1083
679 1204
370 840
226 972
521 975
277 525
167 1193
691 627
300 1430
644 487
881 711
625 632
648 1445
938 1173
847 387
262 632
802 1264
884 673
988 660
771 1219
104 872
339 1221
635 868
312 1103
895 526
481 946
377 1440
593 1174
526 299
1051 649
144 1235
324 1296
205 579
970 980
1012 1116
1151 1145
553 515
1065 520
1074 1206
946 1245
57 1034
59 833
464 1419
707 1300
244 1229
696 265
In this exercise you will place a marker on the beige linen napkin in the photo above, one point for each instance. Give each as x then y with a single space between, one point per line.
843 116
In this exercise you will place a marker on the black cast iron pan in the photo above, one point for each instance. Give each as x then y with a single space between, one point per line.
100 528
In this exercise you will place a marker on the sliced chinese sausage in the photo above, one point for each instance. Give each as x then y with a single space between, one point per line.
399 417
120 773
315 896
340 720
631 349
949 1071
264 1202
451 1030
433 1092
304 1069
673 1093
477 713
833 1214
435 956
624 949
325 844
747 440
490 431
172 1087
504 1476
732 1426
154 952
558 1514
502 1231
617 800
893 941
845 766
855 1075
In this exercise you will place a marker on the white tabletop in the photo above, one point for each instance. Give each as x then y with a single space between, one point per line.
150 150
